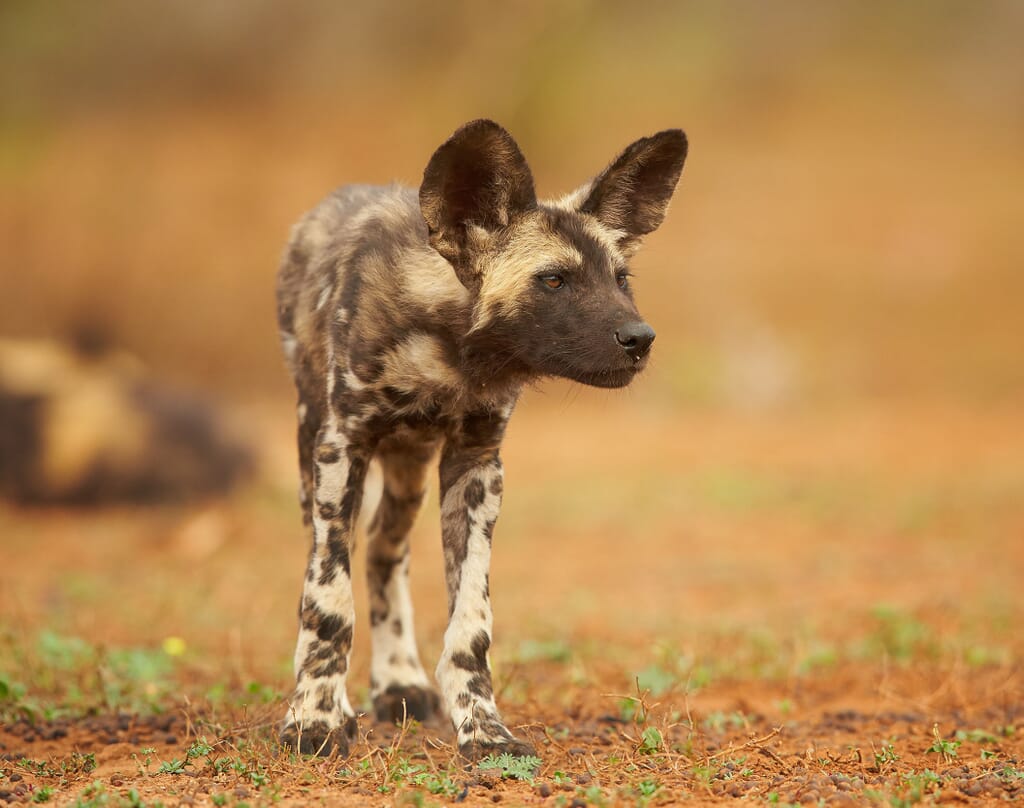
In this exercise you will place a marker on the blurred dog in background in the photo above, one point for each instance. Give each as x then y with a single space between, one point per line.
83 424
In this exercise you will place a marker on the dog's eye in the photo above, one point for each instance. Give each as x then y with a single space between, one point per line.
553 281
622 279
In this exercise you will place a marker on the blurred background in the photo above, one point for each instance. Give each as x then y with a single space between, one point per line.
848 224
832 417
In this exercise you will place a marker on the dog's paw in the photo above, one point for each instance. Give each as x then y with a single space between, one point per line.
318 738
406 701
477 750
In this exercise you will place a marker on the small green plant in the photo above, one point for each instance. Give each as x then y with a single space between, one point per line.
172 766
631 710
656 680
219 799
651 742
919 784
198 749
705 774
93 796
885 756
647 788
561 779
595 796
259 777
39 768
515 767
945 749
976 736
1008 774
78 763
147 758
42 794
719 721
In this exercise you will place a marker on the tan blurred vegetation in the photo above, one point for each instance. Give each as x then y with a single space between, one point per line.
848 226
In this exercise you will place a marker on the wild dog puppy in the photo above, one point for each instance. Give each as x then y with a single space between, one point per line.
85 424
410 322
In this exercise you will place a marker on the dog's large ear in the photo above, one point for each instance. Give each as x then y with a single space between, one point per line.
632 194
477 180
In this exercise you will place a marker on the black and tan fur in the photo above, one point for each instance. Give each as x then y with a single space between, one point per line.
411 322
87 425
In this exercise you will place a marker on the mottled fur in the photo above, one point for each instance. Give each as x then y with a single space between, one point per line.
86 425
410 323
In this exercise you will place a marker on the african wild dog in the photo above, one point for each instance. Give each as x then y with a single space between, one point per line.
411 323
82 423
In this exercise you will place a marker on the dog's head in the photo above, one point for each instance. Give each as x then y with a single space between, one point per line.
550 281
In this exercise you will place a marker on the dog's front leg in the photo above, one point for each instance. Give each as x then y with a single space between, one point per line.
471 485
320 718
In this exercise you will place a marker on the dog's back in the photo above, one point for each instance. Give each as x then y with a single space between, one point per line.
360 276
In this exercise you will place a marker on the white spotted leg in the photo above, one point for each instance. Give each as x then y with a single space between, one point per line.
320 719
471 487
399 686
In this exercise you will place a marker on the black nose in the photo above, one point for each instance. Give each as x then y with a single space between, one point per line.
635 339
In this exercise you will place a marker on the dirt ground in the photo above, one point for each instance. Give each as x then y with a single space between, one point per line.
694 608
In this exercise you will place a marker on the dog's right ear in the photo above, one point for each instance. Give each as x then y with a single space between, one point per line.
476 183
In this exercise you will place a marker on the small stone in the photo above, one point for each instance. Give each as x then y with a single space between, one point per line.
495 797
544 790
583 779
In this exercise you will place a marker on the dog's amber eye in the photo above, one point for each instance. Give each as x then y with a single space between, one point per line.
622 279
553 281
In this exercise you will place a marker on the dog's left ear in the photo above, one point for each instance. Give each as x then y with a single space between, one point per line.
478 180
632 194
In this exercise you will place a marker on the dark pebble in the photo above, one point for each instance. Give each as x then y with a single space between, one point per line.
171 739
578 803
14 777
495 797
241 793
4 794
972 789
583 779
575 750
544 790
